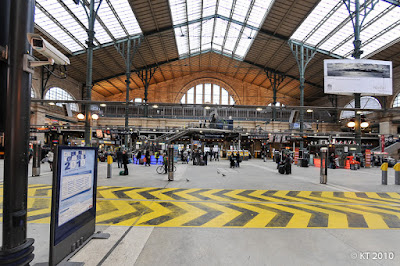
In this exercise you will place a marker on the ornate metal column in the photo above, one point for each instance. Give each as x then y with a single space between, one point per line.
355 11
275 78
17 249
127 50
145 75
303 56
91 12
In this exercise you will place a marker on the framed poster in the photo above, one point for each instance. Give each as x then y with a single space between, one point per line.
73 209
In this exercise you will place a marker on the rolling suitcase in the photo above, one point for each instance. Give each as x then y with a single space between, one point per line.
281 169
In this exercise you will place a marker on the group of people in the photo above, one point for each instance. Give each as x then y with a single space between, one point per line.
284 166
146 159
234 160
122 159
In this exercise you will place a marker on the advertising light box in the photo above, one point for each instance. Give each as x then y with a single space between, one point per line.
349 76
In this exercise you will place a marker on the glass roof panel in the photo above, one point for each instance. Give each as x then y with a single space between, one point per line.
328 27
127 17
45 23
219 32
110 21
72 16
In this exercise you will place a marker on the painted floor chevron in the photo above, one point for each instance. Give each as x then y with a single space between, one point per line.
239 208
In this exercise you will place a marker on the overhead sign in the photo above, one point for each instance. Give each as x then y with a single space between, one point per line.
349 76
73 199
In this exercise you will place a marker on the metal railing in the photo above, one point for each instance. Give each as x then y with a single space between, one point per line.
201 113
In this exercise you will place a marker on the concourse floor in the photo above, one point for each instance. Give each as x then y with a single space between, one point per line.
217 215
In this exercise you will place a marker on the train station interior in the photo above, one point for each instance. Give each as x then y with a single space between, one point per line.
235 132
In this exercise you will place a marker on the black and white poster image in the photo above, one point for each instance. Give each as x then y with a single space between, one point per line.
348 76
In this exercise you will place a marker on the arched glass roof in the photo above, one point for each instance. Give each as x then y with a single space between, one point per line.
329 27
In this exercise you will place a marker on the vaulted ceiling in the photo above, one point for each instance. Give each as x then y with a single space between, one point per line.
238 38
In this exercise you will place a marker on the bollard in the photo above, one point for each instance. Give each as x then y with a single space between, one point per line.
171 163
109 166
384 168
36 160
396 168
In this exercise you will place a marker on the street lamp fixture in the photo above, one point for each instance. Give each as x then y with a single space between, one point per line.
80 116
364 124
351 124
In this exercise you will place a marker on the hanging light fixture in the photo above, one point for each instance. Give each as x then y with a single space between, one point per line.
364 124
351 124
80 116
95 116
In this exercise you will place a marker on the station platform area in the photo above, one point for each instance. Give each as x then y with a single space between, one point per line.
216 215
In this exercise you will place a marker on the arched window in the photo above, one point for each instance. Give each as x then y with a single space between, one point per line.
278 104
366 102
56 93
207 93
32 93
396 102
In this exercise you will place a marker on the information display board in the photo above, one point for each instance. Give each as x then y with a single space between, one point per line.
349 76
73 209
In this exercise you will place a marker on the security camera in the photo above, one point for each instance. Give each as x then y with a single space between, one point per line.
39 44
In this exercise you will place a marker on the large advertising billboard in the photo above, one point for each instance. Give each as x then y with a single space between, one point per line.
349 76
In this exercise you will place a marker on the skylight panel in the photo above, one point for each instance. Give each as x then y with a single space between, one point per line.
317 15
127 17
194 10
209 7
223 32
325 19
225 8
194 37
111 22
206 35
232 37
178 9
258 12
56 32
220 31
240 10
181 40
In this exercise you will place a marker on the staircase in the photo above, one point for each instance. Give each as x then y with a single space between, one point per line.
392 149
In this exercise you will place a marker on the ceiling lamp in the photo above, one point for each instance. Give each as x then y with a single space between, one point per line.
364 124
51 103
259 109
80 116
95 116
351 124
207 107
309 110
155 106
103 105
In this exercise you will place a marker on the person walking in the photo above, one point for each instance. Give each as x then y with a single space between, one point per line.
288 165
50 158
125 162
119 158
157 156
138 156
165 162
238 159
147 157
